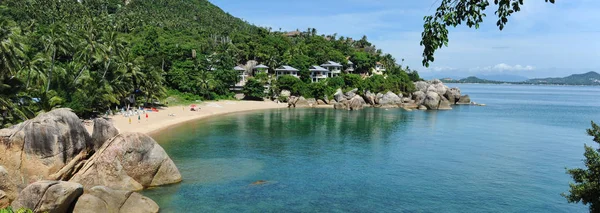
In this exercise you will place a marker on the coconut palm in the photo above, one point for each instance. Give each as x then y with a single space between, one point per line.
56 41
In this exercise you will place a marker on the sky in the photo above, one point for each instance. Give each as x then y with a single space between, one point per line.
542 40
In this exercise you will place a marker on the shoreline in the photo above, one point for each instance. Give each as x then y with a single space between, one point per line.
161 120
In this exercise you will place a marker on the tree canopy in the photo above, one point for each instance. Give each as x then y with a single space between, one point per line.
458 12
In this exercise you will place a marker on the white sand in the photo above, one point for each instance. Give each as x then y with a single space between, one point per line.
160 120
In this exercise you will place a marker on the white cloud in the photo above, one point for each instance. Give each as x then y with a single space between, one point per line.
502 67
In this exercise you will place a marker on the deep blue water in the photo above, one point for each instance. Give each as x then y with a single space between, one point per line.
509 156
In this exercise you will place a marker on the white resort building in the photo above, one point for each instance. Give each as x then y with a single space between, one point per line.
350 68
318 73
334 68
261 68
286 70
243 76
379 69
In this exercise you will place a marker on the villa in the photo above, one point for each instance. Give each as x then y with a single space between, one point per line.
318 73
242 75
334 67
286 70
379 69
350 68
261 68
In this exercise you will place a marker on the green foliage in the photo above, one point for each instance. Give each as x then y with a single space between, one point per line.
319 90
352 81
458 12
336 82
291 83
586 188
10 210
254 89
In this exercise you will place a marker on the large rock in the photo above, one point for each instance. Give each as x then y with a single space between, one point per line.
104 130
104 199
390 99
302 102
453 95
421 86
4 201
438 88
356 103
292 101
49 196
465 99
7 186
351 93
129 161
311 101
444 104
370 98
339 95
40 147
432 100
419 97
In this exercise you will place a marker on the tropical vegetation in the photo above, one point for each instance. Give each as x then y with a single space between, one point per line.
96 55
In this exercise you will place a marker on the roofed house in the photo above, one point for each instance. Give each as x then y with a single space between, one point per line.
261 68
379 69
334 68
286 70
318 73
350 68
242 74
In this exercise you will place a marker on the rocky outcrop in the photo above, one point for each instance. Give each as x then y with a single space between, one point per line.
465 99
285 93
311 101
338 96
437 96
351 93
104 199
370 98
103 131
389 99
294 102
40 147
4 201
453 95
49 196
129 161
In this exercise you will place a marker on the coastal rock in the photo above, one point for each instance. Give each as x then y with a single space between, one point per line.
311 101
302 102
103 131
40 147
129 161
419 97
432 100
438 88
321 102
370 98
339 106
356 103
326 100
406 100
292 101
7 186
105 199
339 95
421 107
444 104
465 99
421 86
390 98
453 95
378 97
48 196
350 94
4 201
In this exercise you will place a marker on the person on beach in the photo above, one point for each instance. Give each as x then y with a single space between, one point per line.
146 116
129 120
139 118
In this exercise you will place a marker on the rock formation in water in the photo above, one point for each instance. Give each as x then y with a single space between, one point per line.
38 155
105 199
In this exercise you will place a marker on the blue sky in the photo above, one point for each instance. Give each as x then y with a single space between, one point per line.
542 40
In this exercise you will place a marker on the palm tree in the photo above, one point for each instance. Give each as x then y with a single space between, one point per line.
56 41
129 71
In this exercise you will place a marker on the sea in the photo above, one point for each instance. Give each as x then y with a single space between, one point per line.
508 156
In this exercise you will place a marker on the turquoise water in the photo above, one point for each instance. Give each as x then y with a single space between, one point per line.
509 156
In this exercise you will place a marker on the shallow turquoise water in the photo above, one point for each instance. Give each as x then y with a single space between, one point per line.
509 156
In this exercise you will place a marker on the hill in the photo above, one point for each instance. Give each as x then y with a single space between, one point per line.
470 80
589 78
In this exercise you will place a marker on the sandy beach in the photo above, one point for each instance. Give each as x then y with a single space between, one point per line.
161 119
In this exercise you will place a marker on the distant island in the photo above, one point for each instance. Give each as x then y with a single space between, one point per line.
589 78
